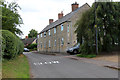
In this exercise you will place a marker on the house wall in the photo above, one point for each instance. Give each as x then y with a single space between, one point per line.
69 37
73 20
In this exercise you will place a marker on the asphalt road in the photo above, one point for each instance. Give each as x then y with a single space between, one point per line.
50 66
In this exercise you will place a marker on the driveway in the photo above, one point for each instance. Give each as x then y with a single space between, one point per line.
50 66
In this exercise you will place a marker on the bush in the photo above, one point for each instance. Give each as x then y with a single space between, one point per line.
32 46
2 44
14 45
87 48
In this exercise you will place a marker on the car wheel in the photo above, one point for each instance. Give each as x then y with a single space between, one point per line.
75 51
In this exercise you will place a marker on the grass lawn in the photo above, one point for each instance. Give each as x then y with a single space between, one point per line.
16 68
86 55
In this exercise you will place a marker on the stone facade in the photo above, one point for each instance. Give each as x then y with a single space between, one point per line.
60 34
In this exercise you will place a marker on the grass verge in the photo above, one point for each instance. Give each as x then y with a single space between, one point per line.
86 55
16 68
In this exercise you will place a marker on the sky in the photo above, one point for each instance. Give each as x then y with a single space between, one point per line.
36 13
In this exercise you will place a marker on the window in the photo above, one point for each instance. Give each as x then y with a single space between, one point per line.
62 41
54 30
37 36
44 34
41 44
68 28
44 44
49 32
49 43
55 43
61 27
41 34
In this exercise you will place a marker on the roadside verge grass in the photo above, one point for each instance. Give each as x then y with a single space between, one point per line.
16 68
86 55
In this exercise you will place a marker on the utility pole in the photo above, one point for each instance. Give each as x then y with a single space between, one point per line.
96 40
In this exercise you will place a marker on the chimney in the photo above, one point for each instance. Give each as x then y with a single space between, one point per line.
50 21
60 15
26 37
75 6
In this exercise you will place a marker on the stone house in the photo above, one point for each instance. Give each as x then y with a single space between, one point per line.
59 35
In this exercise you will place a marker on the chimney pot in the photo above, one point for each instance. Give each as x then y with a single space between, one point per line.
75 6
60 15
26 37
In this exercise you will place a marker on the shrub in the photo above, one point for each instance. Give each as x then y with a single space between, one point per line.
2 44
32 46
14 45
87 48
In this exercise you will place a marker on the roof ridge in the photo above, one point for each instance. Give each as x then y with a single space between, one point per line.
63 17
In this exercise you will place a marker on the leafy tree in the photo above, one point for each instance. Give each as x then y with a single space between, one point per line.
11 18
107 20
32 33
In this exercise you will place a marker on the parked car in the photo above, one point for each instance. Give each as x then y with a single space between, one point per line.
74 49
26 50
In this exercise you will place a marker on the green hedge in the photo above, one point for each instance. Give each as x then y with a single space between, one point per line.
2 44
32 46
14 45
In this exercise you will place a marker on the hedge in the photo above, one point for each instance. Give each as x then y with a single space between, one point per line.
14 45
32 46
2 44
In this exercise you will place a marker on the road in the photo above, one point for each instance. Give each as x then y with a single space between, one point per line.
50 66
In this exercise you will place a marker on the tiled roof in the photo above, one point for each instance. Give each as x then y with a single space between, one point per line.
28 40
63 19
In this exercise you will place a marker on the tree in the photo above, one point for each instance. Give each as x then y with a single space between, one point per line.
11 18
108 26
32 33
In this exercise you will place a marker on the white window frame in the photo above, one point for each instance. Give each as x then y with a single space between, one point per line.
62 27
49 43
54 30
44 34
55 43
37 36
49 32
41 44
41 34
62 41
68 27
44 44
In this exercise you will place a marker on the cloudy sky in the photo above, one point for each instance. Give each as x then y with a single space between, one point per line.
36 13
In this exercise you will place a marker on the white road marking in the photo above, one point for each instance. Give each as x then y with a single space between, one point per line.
34 63
45 62
57 61
52 62
40 63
